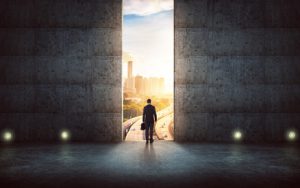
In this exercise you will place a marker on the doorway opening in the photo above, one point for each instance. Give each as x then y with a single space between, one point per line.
148 66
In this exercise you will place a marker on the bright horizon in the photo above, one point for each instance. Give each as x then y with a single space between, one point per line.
148 37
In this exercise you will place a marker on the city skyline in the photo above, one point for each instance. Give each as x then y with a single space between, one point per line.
142 85
148 39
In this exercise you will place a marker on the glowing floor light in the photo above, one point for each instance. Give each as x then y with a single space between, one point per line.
237 135
7 136
65 135
291 135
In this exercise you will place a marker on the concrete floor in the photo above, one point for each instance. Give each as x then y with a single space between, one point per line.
163 164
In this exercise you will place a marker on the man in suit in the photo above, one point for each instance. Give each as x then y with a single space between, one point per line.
149 118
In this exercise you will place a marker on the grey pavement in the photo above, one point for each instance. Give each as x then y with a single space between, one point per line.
162 164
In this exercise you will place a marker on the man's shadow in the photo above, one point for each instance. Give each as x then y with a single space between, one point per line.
149 153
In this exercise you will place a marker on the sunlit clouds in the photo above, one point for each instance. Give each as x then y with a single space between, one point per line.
146 7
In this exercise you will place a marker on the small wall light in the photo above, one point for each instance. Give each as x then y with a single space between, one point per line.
7 136
291 135
65 135
237 135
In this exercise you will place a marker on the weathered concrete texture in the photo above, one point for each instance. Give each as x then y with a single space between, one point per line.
60 68
237 66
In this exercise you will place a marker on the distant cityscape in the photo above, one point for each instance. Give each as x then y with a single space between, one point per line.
143 85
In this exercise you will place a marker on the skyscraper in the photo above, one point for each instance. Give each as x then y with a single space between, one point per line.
129 69
130 81
139 84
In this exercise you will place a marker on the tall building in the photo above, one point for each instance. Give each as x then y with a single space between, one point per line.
129 69
129 85
146 86
139 84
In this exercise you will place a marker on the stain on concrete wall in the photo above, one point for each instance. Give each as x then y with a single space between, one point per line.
60 68
237 66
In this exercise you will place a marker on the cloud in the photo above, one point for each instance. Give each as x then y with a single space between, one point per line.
146 7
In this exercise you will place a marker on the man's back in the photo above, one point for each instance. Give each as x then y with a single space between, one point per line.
149 114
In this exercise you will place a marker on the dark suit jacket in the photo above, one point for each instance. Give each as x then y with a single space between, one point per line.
149 114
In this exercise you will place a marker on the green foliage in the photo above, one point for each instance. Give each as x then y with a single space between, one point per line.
133 108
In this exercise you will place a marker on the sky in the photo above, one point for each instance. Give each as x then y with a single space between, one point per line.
146 7
148 38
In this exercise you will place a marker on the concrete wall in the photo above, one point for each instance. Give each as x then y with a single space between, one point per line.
237 66
60 68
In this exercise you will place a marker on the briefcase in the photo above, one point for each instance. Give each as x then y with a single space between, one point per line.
143 126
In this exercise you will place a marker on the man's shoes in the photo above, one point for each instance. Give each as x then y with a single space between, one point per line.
151 141
147 141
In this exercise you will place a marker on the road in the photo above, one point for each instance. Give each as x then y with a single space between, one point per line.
164 128
127 124
165 119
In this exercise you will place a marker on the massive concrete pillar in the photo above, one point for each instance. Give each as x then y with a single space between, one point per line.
60 68
237 67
